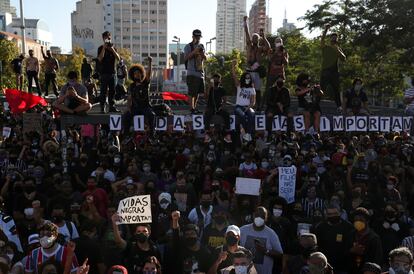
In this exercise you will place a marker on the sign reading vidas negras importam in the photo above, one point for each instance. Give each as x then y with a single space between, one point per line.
135 210
280 123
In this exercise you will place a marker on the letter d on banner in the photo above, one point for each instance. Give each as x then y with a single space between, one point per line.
161 123
115 123
232 122
139 123
260 122
198 122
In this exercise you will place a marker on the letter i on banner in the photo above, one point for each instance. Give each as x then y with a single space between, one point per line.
178 122
397 124
260 122
373 123
407 123
276 123
198 122
299 122
161 123
115 122
325 124
232 122
139 124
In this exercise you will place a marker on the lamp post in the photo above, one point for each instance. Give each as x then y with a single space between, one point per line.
177 40
211 41
22 28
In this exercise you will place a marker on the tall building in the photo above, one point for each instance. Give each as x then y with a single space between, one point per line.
35 29
229 25
6 7
286 26
137 25
258 19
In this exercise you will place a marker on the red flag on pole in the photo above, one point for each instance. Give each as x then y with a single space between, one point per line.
174 96
20 101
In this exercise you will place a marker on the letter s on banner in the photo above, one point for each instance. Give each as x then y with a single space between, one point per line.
198 122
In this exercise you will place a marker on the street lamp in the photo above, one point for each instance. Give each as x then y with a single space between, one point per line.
177 40
22 27
214 38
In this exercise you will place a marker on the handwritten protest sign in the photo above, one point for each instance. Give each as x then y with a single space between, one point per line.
287 183
32 122
247 186
135 210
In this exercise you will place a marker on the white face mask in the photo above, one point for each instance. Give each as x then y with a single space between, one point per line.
47 242
247 81
259 222
277 212
358 87
265 165
278 44
146 169
11 256
164 205
240 269
28 212
117 160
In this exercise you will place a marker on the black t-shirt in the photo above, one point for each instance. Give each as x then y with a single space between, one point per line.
139 95
309 101
215 98
212 237
229 260
107 64
278 96
135 257
354 99
91 249
17 65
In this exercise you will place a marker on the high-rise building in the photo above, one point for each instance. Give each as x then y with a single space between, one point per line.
6 7
258 19
137 25
286 26
35 29
229 25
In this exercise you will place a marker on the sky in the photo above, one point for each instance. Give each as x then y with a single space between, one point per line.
183 16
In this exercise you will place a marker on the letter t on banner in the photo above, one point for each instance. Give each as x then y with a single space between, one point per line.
115 123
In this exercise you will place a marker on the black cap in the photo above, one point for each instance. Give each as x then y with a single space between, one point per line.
197 32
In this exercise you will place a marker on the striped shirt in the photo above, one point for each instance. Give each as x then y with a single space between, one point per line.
309 208
409 93
37 257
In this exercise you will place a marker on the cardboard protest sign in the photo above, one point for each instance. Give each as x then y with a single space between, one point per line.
135 210
247 186
287 183
115 122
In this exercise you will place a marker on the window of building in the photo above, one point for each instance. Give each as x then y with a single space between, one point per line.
163 55
153 12
144 54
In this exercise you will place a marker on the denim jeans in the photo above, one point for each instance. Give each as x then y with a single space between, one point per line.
246 115
149 116
107 85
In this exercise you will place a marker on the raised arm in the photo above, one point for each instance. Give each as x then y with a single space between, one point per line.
43 53
234 73
266 48
121 243
247 32
327 26
149 69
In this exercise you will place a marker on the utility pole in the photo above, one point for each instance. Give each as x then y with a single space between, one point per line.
22 28
177 40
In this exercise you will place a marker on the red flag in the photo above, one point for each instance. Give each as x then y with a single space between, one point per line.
174 96
20 101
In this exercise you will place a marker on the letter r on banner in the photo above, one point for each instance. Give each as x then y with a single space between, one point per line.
373 122
139 123
198 122
260 122
115 123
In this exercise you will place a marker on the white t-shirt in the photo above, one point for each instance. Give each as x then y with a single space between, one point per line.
244 96
65 232
409 93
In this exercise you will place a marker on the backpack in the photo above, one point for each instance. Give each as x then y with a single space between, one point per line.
61 238
186 62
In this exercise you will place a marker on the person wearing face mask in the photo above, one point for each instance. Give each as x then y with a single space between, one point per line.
356 100
146 174
366 245
183 193
335 238
88 247
10 251
97 196
300 251
25 200
317 264
151 266
213 234
277 99
49 248
202 214
136 249
331 54
67 229
401 261
245 99
187 254
216 98
391 193
280 223
241 263
262 241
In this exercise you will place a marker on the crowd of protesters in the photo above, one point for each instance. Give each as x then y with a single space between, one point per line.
60 187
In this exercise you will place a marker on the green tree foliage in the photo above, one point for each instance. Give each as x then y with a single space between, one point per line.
8 51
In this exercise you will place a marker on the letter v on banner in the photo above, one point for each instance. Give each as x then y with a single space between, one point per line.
115 123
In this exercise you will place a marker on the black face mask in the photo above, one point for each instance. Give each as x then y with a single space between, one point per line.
205 204
189 242
231 240
334 220
306 251
57 219
141 238
29 189
220 220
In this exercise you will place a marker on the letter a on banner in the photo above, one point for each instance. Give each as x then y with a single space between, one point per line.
115 123
397 124
139 123
178 122
198 122
232 122
299 123
283 123
373 122
260 122
338 123
161 123
361 123
407 123
325 124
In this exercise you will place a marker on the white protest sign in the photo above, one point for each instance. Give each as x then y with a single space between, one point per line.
161 123
361 123
325 124
139 123
6 132
115 122
299 123
260 122
178 122
198 122
373 123
287 183
135 210
247 186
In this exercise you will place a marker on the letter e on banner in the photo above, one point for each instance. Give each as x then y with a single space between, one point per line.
178 122
385 124
397 124
407 123
115 123
232 122
139 123
325 124
198 122
373 123
299 123
338 123
260 122
361 123
161 123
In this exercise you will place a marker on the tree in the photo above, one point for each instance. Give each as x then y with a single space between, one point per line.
8 51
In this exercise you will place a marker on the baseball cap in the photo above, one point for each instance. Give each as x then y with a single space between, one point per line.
197 32
33 239
166 196
233 228
287 157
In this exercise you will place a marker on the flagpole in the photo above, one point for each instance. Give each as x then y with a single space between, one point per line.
22 28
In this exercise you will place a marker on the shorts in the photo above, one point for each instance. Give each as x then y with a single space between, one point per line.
195 85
